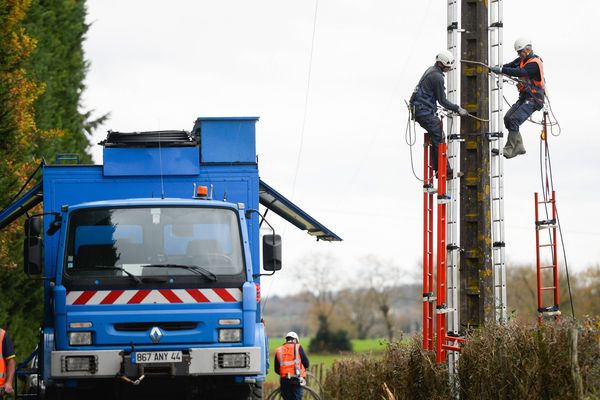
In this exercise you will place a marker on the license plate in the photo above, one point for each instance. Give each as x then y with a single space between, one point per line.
148 357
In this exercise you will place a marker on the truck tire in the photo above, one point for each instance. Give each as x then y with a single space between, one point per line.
256 391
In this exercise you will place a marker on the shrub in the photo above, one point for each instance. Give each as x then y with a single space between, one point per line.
326 341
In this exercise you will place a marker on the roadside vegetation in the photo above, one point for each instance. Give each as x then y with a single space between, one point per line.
516 361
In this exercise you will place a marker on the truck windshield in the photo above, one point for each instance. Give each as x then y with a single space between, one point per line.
141 242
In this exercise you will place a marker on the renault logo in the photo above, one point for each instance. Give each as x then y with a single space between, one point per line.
155 334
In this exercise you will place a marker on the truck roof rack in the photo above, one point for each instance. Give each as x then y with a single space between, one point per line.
149 139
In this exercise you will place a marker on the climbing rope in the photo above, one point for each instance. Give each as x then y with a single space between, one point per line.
410 136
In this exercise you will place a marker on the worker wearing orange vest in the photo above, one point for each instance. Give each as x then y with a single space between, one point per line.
528 68
7 364
291 363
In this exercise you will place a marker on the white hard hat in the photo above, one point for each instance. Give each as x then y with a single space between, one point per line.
445 57
292 335
521 43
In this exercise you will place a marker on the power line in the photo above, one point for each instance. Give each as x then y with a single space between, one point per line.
298 159
310 62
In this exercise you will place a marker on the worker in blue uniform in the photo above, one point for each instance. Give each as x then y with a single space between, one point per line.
529 70
429 91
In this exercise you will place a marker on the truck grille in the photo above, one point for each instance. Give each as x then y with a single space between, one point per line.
144 326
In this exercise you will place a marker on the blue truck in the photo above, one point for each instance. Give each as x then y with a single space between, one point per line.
151 265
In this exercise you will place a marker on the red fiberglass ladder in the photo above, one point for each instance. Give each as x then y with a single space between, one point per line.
547 293
428 289
443 342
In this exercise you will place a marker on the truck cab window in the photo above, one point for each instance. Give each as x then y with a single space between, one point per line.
153 241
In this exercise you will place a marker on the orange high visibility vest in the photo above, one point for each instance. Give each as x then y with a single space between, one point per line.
2 362
533 86
288 364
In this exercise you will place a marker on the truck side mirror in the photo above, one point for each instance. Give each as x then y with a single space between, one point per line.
33 246
272 252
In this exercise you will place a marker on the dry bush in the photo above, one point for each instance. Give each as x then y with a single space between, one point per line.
408 372
514 361
519 361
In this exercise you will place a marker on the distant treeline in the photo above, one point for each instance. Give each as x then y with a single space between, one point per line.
360 310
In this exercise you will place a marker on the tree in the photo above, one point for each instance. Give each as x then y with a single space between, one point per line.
58 62
588 292
20 305
360 309
317 274
41 83
383 281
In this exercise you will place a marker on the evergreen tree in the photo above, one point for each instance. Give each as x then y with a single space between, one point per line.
42 69
20 298
58 61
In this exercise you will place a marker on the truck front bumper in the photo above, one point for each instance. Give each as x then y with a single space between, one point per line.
111 363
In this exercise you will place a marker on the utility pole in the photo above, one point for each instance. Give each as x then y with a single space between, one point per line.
476 272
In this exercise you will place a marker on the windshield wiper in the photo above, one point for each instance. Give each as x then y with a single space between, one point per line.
129 274
194 268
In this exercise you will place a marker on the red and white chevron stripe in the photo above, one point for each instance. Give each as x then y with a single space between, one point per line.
156 296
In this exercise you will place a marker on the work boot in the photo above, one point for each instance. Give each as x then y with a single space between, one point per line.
511 143
518 147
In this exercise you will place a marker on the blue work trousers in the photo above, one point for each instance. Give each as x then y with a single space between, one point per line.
291 390
433 126
518 113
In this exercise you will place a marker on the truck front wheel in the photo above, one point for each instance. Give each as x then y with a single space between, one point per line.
256 391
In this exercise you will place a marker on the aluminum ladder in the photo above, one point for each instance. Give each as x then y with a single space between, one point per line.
452 246
496 140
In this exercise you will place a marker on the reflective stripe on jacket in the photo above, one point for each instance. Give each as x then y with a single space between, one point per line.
535 88
290 362
2 362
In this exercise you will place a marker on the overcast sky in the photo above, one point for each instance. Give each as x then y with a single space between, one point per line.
160 65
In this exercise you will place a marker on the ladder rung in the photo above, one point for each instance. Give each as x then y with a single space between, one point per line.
549 288
546 245
547 266
540 227
550 313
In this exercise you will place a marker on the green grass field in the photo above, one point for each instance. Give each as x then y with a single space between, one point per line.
374 346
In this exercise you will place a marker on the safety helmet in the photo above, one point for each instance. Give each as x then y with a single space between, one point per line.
445 57
292 335
521 43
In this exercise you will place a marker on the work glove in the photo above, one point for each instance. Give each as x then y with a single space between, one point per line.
496 69
462 112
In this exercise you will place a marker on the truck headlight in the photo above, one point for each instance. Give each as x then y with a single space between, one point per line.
80 338
230 335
